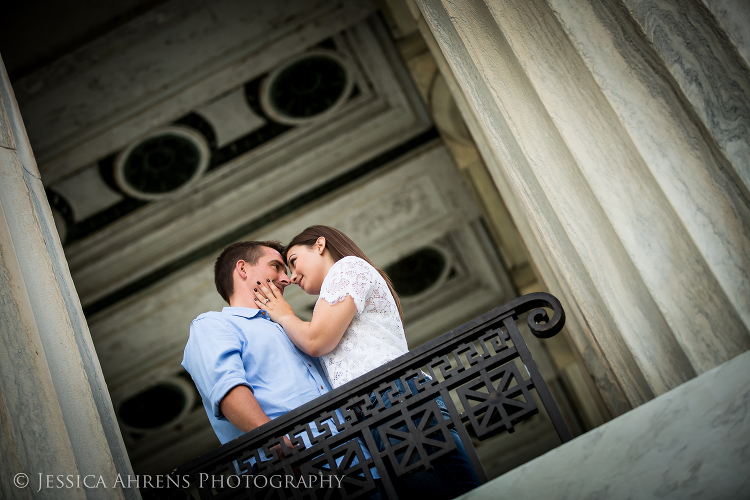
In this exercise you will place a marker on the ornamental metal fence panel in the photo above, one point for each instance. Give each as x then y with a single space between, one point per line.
468 380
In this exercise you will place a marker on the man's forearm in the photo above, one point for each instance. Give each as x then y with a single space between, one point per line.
241 408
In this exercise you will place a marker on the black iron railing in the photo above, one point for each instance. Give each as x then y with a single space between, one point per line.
474 368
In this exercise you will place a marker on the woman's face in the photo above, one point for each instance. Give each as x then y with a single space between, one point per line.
308 266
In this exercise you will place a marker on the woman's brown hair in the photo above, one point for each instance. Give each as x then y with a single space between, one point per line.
340 246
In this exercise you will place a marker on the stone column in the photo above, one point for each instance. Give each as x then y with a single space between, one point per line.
55 413
617 133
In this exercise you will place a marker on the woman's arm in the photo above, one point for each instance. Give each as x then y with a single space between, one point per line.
316 337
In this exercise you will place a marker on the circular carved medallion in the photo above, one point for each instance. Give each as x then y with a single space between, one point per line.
163 404
307 87
162 163
418 272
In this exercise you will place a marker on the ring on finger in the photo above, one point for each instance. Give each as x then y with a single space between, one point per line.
266 302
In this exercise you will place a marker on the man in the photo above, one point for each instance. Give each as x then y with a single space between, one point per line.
248 372
244 366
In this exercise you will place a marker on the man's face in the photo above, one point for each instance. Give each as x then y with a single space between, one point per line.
269 266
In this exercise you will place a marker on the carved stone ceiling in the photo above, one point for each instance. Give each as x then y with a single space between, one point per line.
33 34
199 123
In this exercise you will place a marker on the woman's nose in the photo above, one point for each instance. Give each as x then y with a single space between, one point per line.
294 278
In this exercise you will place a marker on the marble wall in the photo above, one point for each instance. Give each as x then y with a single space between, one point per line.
571 373
732 16
691 442
55 411
616 132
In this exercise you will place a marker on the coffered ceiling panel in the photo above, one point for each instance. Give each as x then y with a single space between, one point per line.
249 165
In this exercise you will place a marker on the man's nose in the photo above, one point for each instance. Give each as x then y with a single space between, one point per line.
284 279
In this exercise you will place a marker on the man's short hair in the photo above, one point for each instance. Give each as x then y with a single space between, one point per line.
249 251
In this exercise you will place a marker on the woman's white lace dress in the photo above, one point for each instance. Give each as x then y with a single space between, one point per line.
375 335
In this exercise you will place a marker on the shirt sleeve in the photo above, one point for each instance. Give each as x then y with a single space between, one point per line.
349 276
213 359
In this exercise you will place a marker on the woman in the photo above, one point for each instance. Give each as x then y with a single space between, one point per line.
356 327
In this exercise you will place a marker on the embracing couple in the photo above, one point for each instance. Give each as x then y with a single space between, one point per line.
256 360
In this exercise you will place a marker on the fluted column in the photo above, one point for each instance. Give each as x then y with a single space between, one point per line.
55 413
629 191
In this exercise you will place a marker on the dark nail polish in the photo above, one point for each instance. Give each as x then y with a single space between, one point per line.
255 289
268 280
258 282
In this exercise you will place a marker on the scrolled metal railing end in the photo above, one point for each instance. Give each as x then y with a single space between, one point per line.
539 322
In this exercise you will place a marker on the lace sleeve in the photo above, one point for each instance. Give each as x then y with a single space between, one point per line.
349 276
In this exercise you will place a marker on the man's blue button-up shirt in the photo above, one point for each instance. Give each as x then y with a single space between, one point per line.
242 346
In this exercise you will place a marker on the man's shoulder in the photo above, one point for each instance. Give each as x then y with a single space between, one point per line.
210 321
210 315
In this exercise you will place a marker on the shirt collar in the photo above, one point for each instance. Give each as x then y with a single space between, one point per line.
242 312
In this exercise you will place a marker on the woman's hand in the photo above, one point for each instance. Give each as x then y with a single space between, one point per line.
268 297
317 337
